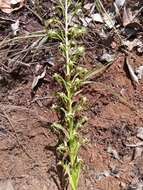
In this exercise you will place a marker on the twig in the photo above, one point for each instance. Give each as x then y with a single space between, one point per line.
42 98
22 38
36 14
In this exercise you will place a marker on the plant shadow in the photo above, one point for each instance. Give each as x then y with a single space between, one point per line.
62 181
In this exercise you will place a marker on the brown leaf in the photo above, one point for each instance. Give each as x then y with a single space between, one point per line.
132 72
7 5
37 78
127 16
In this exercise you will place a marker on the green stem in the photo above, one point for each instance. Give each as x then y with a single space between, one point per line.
66 39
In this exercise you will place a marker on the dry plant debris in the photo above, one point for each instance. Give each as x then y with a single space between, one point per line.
105 28
7 5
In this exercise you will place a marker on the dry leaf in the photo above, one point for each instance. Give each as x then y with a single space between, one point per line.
127 16
15 27
120 3
7 5
139 72
132 44
97 17
88 6
131 72
85 21
109 21
140 133
37 78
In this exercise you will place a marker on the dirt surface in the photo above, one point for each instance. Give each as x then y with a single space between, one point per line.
28 146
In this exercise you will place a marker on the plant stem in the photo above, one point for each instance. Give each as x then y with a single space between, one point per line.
70 123
66 39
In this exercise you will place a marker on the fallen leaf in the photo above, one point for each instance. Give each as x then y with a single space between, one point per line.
9 6
109 21
140 133
97 17
15 27
132 44
120 3
131 71
139 72
37 78
102 33
88 6
85 21
127 16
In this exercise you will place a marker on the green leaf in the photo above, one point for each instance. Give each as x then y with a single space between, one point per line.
60 80
63 148
96 71
63 97
59 127
81 122
76 31
55 34
79 105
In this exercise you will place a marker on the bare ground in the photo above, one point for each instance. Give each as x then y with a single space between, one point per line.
28 146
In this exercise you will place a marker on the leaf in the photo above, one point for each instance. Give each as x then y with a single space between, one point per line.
120 3
131 71
81 122
109 21
88 6
132 44
86 21
97 17
139 72
7 5
15 27
96 71
127 16
63 97
37 78
60 79
61 128
140 133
